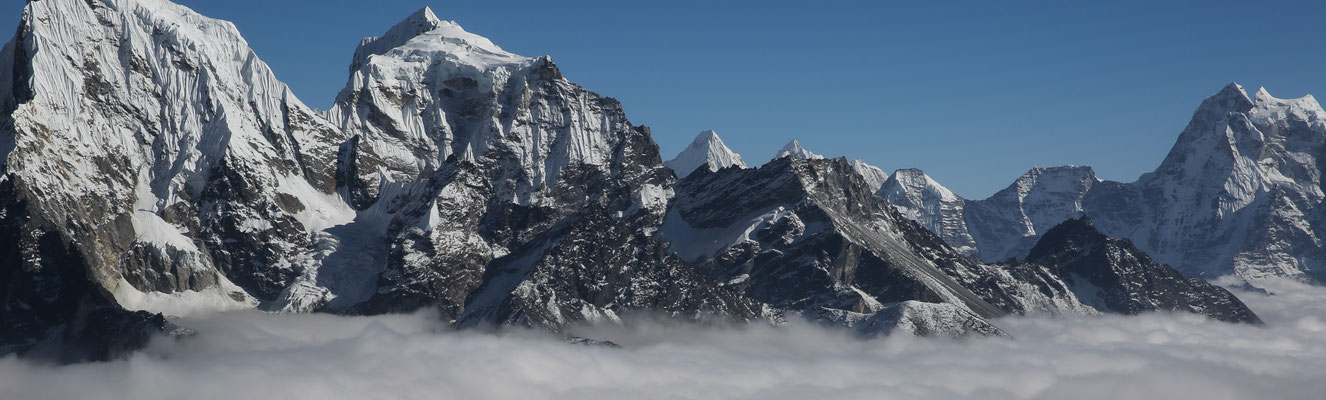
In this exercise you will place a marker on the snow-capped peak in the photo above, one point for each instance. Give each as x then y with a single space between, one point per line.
919 198
1231 98
420 22
794 149
432 34
1262 96
873 175
915 183
1267 109
707 149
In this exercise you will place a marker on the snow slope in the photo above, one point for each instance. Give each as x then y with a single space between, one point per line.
922 199
873 175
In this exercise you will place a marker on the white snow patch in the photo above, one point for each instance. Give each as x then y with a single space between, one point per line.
694 243
150 228
651 197
320 210
185 303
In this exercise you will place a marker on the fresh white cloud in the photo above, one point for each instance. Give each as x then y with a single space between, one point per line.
254 355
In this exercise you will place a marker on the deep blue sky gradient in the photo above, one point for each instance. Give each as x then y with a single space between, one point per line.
975 93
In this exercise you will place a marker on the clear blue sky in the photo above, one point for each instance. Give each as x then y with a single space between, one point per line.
975 93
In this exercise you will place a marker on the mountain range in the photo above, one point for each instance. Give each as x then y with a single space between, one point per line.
151 165
1239 194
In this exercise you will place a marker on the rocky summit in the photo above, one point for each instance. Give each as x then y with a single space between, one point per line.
153 166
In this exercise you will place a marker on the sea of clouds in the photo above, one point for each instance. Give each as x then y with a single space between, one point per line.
253 355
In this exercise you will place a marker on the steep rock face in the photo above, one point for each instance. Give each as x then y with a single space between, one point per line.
151 150
52 309
1111 274
810 235
707 150
930 204
1007 224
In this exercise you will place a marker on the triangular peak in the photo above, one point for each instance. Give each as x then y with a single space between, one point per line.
795 150
706 136
421 21
706 149
873 175
425 14
1231 98
443 35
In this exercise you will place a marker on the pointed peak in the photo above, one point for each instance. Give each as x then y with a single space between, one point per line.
425 15
706 137
1233 87
1233 91
858 161
795 150
874 176
862 165
423 31
418 23
707 149
1230 98
1262 95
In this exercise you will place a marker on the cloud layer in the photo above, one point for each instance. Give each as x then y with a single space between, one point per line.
255 355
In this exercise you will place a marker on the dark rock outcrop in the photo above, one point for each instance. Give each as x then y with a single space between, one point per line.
1113 275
